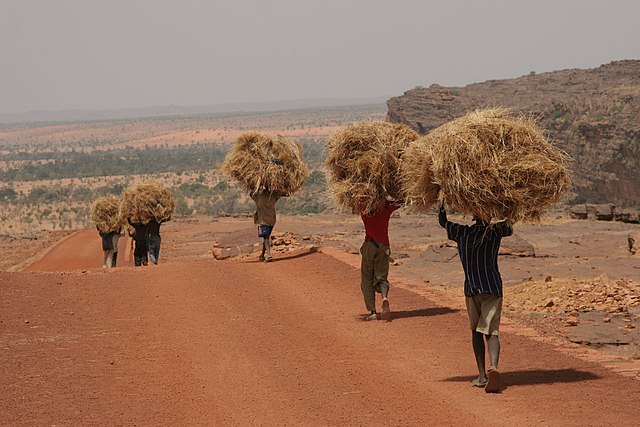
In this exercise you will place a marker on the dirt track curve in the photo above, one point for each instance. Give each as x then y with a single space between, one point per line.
245 343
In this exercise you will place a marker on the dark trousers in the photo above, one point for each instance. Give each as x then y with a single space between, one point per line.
154 248
140 253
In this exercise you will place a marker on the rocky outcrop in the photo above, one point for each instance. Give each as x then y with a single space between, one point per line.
604 212
593 115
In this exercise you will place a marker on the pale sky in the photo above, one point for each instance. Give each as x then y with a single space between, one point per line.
97 54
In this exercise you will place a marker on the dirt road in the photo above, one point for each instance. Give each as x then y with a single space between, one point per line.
227 343
80 250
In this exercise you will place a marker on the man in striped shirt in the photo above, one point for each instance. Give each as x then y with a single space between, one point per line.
478 246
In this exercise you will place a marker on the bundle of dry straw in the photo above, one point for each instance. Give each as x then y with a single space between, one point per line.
363 163
147 201
262 162
104 214
490 164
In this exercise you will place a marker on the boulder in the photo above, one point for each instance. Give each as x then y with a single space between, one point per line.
627 215
601 212
633 242
516 246
578 211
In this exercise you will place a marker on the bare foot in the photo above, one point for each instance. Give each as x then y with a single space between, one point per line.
261 258
386 311
479 382
493 385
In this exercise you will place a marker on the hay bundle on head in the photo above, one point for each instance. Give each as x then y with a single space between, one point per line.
262 162
104 214
147 201
363 163
494 165
419 190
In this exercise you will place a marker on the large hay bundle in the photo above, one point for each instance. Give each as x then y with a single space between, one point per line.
146 201
261 162
491 164
419 190
363 163
104 214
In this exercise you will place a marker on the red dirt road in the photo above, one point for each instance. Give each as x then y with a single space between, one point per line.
80 250
228 343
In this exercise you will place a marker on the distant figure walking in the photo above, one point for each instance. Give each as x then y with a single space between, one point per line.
107 248
154 240
478 246
115 237
374 267
140 236
265 219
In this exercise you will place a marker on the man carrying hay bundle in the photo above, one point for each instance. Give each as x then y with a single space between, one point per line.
364 162
154 240
146 203
374 266
104 214
140 237
268 168
492 165
265 219
478 247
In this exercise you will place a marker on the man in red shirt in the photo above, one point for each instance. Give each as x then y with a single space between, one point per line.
375 260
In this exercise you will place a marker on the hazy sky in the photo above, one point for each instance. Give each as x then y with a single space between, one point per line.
93 54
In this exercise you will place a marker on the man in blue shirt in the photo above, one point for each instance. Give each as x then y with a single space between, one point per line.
478 246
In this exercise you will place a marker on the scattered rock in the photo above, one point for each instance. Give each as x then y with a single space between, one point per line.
572 296
571 321
516 246
633 242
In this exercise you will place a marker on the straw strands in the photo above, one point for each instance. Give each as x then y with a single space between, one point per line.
363 164
104 214
490 164
146 201
420 192
261 162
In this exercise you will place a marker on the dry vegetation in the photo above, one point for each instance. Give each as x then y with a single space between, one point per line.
262 162
144 202
104 214
490 164
363 162
50 174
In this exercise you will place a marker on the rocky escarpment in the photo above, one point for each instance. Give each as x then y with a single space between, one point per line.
593 115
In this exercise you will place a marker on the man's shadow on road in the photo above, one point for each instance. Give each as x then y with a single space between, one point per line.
296 255
536 376
422 312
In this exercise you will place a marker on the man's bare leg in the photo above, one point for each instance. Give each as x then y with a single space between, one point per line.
386 311
494 351
477 339
493 386
266 246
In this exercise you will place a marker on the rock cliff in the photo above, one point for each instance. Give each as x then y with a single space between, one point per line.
593 115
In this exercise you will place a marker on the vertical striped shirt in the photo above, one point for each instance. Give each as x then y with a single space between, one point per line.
478 247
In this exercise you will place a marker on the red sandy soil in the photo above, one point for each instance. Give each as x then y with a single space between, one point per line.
205 342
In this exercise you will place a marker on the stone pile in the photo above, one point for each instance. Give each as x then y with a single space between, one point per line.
574 296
